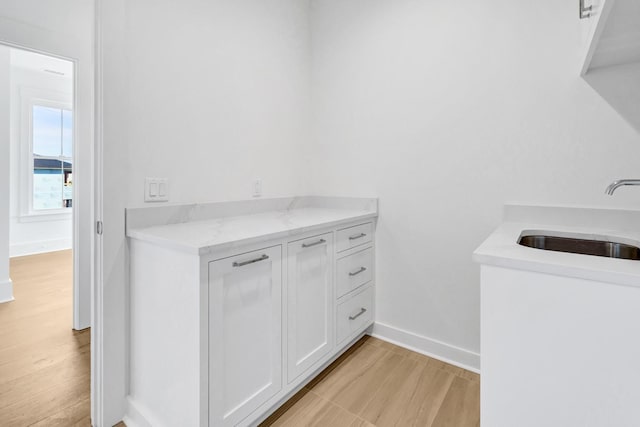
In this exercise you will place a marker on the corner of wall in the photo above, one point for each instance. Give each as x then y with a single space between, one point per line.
428 346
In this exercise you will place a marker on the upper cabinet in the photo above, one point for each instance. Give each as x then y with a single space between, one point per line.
614 37
611 64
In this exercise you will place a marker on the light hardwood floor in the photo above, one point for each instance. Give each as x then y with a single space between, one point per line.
44 364
379 384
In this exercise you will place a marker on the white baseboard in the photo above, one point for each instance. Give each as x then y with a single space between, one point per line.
6 291
428 346
32 248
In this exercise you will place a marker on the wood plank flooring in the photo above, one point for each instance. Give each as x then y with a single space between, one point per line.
44 364
45 369
379 384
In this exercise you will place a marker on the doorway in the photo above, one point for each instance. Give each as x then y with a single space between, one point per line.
45 340
42 139
45 157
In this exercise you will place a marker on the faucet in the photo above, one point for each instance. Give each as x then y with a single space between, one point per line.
615 184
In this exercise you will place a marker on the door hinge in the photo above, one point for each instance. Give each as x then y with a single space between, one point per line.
99 228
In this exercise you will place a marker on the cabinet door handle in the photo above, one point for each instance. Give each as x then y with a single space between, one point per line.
585 12
319 242
355 273
251 261
357 236
362 311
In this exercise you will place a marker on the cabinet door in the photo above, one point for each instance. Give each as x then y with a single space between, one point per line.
310 302
245 342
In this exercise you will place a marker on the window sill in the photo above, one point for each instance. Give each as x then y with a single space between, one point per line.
46 216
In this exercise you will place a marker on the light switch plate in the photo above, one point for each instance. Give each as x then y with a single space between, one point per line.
156 189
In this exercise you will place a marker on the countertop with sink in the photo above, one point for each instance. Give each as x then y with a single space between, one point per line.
501 248
559 330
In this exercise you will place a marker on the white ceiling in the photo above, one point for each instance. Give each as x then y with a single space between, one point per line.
42 63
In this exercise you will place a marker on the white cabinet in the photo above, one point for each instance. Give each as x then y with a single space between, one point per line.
566 346
309 302
613 36
353 271
351 237
354 314
245 341
354 281
222 335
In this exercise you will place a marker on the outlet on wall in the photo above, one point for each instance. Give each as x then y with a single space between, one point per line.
257 187
156 189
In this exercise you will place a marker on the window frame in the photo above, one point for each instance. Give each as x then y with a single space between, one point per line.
30 97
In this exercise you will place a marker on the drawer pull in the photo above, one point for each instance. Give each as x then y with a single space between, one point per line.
355 273
357 236
319 242
362 311
251 261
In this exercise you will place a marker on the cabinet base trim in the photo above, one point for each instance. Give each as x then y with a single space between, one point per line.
134 417
428 346
274 407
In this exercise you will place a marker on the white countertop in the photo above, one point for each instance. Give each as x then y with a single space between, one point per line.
202 236
501 248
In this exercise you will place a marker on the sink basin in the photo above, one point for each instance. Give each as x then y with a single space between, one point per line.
581 246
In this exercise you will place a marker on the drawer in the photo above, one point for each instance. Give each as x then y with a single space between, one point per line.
351 237
354 315
353 271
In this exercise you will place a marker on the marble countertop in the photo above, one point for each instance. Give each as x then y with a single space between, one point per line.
232 224
501 248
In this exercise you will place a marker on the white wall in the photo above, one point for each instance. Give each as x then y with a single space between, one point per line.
208 94
218 95
447 110
29 237
6 286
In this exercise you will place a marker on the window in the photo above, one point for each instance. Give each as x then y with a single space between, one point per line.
51 158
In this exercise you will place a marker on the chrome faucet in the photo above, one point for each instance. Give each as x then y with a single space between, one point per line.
615 184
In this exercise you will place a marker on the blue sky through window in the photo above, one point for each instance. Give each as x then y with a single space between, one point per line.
52 131
47 131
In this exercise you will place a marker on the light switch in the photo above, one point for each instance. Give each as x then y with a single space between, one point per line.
156 190
153 189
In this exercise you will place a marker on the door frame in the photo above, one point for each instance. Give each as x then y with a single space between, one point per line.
97 312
